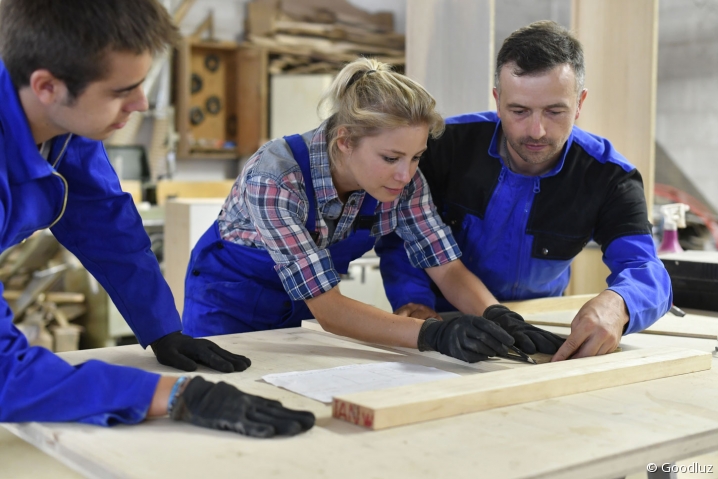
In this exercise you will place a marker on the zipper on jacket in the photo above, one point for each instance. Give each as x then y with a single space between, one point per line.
64 201
527 209
62 152
64 181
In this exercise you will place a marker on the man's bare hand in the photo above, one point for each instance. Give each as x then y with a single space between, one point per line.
596 329
419 311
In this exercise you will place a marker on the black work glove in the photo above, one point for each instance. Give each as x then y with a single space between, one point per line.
469 338
183 352
529 338
224 407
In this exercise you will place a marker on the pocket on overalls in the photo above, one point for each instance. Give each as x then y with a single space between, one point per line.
250 303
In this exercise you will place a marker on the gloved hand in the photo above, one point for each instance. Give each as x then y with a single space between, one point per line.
224 407
469 338
529 338
183 352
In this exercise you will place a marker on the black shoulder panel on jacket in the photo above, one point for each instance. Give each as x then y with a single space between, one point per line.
586 199
460 172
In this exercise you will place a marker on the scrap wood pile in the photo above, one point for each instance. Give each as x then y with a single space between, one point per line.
33 273
321 36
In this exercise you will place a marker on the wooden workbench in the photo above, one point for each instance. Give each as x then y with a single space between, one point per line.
602 434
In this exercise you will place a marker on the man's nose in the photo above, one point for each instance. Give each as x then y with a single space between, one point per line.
138 102
536 128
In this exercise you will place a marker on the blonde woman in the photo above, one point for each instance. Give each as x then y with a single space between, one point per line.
305 206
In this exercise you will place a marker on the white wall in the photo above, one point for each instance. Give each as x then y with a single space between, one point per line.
514 14
687 100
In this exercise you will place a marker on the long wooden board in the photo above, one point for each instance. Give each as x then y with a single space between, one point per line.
560 311
423 402
549 305
689 326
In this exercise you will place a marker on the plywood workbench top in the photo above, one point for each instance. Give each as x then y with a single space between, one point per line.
600 434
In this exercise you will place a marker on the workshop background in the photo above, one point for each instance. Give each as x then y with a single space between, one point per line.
247 71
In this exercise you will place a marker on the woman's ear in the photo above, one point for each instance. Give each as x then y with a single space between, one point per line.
344 141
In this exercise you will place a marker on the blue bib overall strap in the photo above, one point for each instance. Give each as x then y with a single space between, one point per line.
360 241
232 288
301 155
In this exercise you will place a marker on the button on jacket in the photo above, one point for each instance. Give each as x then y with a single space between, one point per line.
77 194
519 234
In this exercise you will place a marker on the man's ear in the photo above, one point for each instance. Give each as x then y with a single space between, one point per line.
495 91
46 87
581 99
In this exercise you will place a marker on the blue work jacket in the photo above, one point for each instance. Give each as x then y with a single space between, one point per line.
77 194
519 234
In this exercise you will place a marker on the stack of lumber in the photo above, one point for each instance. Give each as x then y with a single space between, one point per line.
320 36
32 273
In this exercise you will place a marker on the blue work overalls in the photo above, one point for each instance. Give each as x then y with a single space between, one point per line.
78 195
232 288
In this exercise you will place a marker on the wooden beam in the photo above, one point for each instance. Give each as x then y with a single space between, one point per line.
689 326
561 311
186 220
620 43
252 98
549 305
192 189
423 402
182 10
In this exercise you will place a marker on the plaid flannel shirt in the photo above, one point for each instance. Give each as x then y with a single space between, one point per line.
267 209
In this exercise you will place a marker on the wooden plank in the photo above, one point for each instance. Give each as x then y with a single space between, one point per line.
181 11
588 272
689 326
252 98
560 311
261 17
186 220
620 44
182 96
549 305
134 188
608 433
423 402
192 189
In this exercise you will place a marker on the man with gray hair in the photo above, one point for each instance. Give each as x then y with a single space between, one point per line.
525 190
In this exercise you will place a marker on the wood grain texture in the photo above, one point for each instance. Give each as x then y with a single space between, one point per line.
620 44
253 99
423 402
192 189
689 326
596 435
561 311
545 305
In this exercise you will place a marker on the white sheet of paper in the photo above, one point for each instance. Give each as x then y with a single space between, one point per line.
323 384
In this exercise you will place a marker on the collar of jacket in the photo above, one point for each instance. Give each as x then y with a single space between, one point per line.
25 163
324 189
494 148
